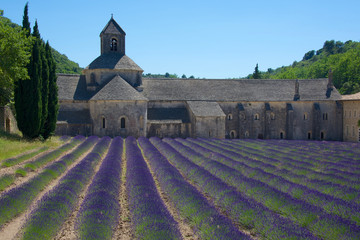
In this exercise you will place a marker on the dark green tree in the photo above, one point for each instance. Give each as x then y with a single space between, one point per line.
25 22
53 106
44 87
183 76
256 74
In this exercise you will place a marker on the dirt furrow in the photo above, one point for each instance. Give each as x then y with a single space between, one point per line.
13 229
123 229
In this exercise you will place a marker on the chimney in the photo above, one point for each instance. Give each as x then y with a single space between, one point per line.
330 85
297 94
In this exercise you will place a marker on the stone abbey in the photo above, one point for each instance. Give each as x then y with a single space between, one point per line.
112 98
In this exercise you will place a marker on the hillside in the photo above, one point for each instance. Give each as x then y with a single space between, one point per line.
342 58
63 64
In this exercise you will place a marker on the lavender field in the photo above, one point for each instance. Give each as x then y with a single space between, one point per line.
103 188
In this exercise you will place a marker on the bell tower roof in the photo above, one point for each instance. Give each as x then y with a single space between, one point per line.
112 27
112 38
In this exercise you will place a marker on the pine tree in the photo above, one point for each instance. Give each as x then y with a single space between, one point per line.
53 106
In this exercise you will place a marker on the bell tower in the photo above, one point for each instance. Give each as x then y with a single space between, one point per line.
112 38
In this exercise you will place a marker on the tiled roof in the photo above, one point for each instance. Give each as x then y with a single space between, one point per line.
355 96
114 61
72 87
118 89
236 90
205 109
112 27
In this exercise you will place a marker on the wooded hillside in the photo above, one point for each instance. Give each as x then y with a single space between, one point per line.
342 58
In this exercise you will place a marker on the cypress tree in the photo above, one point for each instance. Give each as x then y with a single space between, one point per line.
53 106
44 88
19 91
31 95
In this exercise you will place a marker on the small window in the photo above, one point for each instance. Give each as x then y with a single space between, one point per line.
122 122
209 133
353 131
325 116
306 116
113 45
103 122
322 135
349 114
230 117
256 116
309 136
347 130
345 113
92 79
354 114
281 135
233 134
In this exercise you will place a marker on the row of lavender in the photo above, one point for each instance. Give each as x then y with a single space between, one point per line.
18 199
57 205
343 187
323 215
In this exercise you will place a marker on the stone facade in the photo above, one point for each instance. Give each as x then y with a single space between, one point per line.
7 120
351 116
111 98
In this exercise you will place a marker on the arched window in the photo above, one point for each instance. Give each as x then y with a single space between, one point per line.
7 125
230 117
122 122
103 122
92 79
113 44
233 134
256 116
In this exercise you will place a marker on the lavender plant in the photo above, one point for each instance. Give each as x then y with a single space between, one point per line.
98 214
18 199
188 201
149 217
53 209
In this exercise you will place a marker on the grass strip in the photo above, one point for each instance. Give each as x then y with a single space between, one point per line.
13 161
41 161
6 180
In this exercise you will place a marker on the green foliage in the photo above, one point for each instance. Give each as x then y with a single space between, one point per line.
342 58
64 65
21 172
14 56
6 180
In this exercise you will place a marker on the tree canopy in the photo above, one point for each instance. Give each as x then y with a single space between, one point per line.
14 56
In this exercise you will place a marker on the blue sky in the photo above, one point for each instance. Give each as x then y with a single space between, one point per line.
207 39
